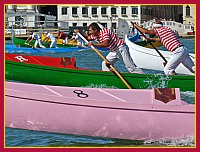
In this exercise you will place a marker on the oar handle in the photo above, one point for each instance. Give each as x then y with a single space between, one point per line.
111 66
84 39
153 46
28 44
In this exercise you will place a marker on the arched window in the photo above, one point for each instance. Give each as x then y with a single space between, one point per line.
187 10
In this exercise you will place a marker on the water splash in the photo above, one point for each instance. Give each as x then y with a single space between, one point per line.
99 86
158 81
188 141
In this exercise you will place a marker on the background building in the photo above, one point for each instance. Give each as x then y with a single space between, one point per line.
70 16
106 15
189 16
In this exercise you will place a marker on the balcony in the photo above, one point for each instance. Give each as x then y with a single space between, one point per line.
94 15
74 15
85 15
134 15
104 15
124 15
114 15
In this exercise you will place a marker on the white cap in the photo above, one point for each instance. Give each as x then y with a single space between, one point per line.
158 24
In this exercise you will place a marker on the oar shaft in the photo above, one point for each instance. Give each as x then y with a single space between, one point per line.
153 46
111 66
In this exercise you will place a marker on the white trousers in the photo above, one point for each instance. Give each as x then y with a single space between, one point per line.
53 43
39 41
80 44
123 52
180 55
65 41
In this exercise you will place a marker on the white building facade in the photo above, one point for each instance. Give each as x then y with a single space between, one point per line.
107 15
73 15
189 14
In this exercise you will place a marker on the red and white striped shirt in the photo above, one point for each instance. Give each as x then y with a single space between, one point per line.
107 34
168 38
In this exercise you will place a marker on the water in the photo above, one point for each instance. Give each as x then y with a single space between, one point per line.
89 59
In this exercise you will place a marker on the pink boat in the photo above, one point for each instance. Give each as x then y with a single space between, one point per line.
134 114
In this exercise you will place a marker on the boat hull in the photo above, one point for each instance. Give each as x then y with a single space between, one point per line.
113 113
148 58
21 47
62 62
32 73
21 43
16 49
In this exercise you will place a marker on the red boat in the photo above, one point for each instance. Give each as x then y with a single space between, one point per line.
62 62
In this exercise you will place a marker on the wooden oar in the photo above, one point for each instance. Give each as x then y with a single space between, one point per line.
153 46
29 45
107 62
32 46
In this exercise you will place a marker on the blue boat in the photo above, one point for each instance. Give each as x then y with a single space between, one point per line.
11 48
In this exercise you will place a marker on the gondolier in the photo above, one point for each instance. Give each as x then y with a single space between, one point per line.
180 53
106 38
62 35
37 38
52 38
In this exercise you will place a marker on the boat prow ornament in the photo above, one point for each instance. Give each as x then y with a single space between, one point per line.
165 94
66 61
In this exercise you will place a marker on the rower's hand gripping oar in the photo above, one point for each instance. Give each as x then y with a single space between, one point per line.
30 45
107 62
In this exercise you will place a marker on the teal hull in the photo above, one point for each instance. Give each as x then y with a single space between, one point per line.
37 74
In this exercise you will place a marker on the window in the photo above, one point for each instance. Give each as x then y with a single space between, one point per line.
187 10
123 10
74 24
113 10
85 11
114 25
74 10
85 24
104 24
103 11
64 11
94 10
134 10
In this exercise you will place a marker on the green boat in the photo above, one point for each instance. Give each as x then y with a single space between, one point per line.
31 73
21 42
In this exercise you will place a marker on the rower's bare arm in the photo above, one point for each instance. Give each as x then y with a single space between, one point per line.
143 30
155 39
102 44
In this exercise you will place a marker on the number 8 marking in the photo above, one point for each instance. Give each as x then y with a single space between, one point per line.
80 94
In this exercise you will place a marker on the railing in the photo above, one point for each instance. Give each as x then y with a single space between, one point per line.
18 29
181 29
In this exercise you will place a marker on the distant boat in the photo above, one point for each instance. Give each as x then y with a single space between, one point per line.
49 74
134 114
21 47
21 42
137 40
148 58
10 48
